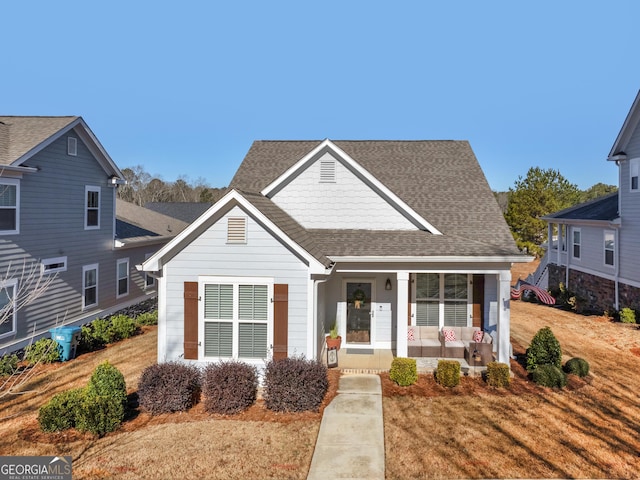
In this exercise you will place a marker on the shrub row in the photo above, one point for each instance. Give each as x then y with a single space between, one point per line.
45 350
99 408
290 385
112 329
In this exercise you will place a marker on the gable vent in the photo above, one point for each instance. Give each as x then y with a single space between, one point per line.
236 230
327 171
72 146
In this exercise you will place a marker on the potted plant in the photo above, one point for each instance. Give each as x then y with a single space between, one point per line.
333 339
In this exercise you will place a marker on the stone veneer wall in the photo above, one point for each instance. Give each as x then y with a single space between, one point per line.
556 276
629 296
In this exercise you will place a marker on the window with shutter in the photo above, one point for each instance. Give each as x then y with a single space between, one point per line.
442 299
237 317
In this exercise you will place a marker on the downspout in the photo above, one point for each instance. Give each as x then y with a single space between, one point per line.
616 260
317 282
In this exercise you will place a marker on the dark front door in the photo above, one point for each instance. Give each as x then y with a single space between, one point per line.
359 313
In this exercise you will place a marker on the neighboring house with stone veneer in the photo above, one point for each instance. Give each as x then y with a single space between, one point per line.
59 217
597 252
373 235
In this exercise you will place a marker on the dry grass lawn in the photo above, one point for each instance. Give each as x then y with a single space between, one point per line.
589 430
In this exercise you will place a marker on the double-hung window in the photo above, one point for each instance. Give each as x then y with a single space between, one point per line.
609 247
576 243
634 173
9 206
122 280
8 307
236 317
92 208
442 299
89 285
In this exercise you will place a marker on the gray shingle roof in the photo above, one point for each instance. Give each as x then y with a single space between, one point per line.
185 211
133 221
441 180
18 135
604 208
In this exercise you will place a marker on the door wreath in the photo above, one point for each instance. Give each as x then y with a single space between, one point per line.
359 298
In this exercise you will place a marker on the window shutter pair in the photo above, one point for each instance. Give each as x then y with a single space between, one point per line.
280 320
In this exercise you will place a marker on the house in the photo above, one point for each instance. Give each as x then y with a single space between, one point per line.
62 233
597 252
371 235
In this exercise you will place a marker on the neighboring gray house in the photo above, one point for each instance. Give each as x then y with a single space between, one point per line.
58 218
185 211
597 251
373 235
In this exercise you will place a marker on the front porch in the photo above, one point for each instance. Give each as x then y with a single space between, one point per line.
379 360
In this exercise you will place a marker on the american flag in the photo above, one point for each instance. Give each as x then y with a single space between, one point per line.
543 295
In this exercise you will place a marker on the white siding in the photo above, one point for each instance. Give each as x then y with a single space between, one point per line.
346 204
261 256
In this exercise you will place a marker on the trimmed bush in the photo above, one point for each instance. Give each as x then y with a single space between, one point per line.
549 375
105 402
61 412
122 326
229 387
45 350
295 384
88 340
627 315
404 371
147 318
498 374
101 331
107 381
577 366
448 373
169 387
544 350
8 364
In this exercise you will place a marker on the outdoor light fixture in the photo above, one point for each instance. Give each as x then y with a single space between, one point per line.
387 286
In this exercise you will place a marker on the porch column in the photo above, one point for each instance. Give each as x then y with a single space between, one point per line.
504 316
402 313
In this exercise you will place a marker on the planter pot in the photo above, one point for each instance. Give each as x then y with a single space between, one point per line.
334 342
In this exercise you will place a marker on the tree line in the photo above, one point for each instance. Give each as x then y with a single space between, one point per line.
142 188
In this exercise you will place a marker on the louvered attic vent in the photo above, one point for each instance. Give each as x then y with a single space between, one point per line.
236 230
327 171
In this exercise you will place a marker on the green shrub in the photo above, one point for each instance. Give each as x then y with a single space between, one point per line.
105 402
168 387
61 412
147 318
498 374
45 350
122 326
544 350
88 341
295 384
8 364
99 415
549 375
577 366
229 387
101 330
627 315
404 371
448 373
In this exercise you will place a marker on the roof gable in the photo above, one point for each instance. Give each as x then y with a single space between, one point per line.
601 209
629 126
22 137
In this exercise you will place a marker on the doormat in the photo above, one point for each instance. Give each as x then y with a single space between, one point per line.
359 351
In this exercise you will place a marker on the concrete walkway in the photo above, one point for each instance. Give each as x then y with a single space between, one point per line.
350 443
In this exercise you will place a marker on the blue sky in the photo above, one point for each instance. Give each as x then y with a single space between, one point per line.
183 88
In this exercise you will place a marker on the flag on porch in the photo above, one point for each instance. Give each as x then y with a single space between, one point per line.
543 295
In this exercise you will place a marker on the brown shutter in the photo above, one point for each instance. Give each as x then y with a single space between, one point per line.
478 301
280 320
191 320
409 302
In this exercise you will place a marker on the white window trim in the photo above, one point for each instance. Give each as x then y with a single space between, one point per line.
236 282
442 300
72 146
573 243
13 318
613 249
47 265
634 171
119 262
15 182
87 189
86 268
147 276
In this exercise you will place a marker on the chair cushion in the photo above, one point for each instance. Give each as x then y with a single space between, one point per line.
455 343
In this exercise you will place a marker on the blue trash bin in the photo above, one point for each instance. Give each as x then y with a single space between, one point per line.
67 338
